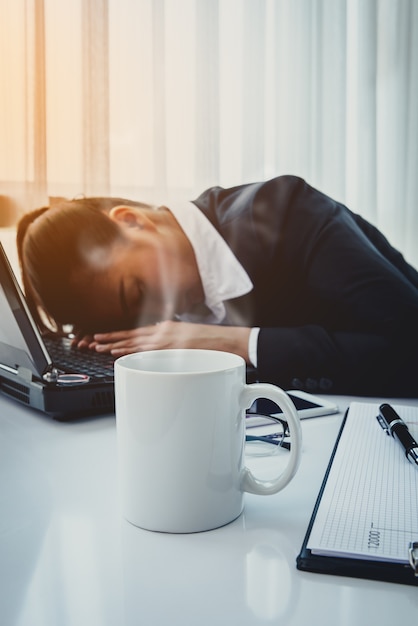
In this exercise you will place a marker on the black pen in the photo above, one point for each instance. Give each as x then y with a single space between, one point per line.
395 426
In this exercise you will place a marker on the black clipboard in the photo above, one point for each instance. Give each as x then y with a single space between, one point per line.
406 574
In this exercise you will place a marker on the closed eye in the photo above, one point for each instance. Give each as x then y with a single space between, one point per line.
137 296
130 296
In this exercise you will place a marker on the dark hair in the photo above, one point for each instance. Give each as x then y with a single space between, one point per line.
52 244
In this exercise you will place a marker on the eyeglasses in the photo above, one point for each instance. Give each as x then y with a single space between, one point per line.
266 434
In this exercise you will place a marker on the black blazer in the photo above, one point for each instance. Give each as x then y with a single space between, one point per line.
336 303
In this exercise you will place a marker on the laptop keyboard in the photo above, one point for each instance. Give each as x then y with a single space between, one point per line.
72 360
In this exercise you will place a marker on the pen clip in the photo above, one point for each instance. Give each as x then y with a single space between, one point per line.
413 556
383 423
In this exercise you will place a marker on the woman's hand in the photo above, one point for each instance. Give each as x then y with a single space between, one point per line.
169 334
83 341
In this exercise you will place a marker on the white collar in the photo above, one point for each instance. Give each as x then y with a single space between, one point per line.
222 276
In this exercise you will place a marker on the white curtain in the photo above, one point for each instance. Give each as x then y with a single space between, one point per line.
159 99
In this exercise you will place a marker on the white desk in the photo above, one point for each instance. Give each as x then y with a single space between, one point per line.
67 558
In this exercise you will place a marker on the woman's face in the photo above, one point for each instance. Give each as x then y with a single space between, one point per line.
143 279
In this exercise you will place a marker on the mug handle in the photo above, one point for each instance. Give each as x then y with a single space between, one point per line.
250 483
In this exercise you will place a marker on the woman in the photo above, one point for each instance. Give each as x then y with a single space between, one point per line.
310 294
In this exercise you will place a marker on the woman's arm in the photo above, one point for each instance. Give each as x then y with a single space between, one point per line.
169 334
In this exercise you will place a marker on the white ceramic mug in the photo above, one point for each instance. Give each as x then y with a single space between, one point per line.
180 417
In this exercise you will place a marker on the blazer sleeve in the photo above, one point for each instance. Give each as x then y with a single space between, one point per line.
360 331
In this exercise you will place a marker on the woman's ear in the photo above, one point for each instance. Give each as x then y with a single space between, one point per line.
131 217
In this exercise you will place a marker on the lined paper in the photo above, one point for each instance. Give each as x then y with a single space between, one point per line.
369 507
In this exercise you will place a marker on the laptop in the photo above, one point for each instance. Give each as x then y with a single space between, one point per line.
43 371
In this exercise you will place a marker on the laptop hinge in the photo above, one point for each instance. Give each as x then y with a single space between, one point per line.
51 376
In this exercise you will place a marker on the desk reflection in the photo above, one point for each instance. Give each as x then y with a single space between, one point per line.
25 505
188 579
270 590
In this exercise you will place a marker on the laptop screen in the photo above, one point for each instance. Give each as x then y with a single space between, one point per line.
20 342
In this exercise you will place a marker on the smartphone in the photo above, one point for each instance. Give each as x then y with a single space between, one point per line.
306 404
